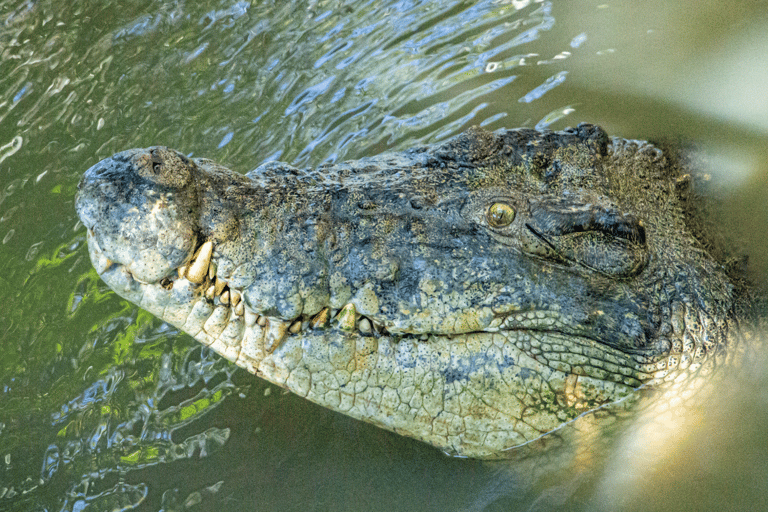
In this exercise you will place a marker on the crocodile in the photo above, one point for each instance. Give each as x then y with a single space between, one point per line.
477 294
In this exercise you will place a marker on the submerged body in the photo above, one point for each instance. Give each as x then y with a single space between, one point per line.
475 295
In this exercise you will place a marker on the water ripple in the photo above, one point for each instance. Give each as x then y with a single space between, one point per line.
549 84
303 81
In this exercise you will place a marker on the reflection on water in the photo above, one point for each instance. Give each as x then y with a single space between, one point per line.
102 407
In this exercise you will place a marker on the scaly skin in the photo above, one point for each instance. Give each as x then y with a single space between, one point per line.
475 295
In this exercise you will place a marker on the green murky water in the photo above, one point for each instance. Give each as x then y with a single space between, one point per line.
102 407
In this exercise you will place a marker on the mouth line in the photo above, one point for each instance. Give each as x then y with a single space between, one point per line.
225 308
199 272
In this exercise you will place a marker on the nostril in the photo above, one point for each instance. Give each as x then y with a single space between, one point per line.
157 162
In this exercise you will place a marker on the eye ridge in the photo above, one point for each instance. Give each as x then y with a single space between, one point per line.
500 215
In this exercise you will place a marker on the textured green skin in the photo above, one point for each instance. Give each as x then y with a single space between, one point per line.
492 336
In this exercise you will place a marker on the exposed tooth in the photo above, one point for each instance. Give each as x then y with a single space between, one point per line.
199 266
239 309
275 335
212 270
102 264
320 320
224 297
220 285
209 293
295 327
262 321
92 241
364 326
234 297
347 317
182 271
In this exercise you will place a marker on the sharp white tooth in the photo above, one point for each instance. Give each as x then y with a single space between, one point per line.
198 269
295 327
262 321
234 297
212 270
182 271
220 285
224 297
92 241
347 317
364 325
102 263
276 333
239 309
209 293
320 320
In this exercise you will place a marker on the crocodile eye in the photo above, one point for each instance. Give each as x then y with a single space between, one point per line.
500 215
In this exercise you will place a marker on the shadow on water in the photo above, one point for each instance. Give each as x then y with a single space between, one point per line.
102 407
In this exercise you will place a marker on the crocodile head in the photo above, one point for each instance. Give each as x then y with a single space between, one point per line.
476 295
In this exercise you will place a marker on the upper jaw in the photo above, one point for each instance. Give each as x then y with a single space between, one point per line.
200 270
173 298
